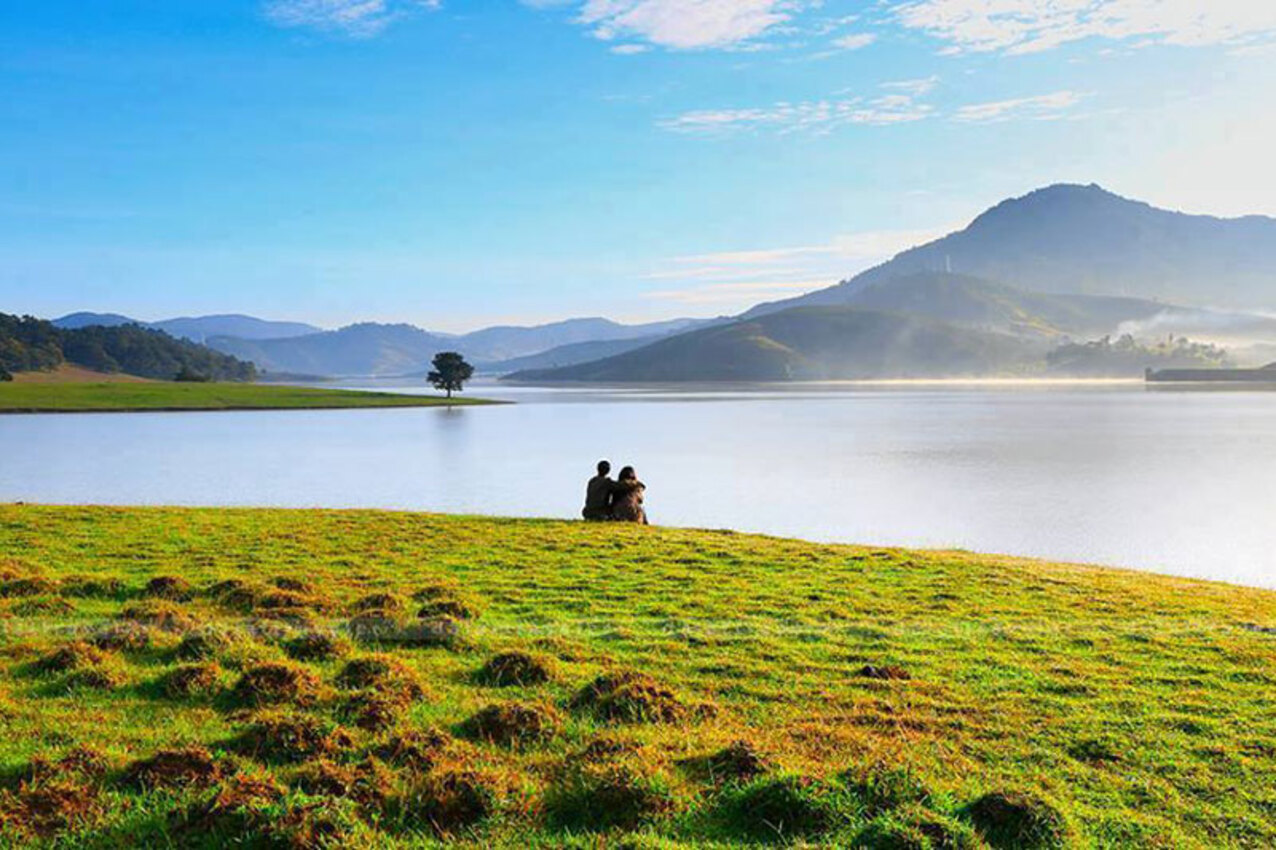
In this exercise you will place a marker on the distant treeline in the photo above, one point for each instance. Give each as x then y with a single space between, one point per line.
1126 356
28 344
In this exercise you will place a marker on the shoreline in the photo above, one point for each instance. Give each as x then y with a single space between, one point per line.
999 558
33 398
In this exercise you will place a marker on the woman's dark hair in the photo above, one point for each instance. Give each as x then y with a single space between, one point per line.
627 474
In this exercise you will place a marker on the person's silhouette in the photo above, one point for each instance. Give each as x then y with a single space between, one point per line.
598 494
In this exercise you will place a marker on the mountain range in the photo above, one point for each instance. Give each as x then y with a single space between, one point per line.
405 350
196 329
1061 263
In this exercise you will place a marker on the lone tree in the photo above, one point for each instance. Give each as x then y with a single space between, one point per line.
450 372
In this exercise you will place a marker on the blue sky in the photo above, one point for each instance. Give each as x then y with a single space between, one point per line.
456 164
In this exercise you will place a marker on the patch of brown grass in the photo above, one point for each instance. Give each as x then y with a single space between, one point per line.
191 680
172 588
516 669
183 768
513 723
161 614
630 697
276 683
287 737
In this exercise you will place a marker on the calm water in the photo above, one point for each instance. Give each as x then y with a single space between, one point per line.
1180 482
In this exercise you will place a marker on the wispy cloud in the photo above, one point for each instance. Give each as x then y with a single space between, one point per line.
684 24
360 18
854 41
1029 26
1045 107
818 116
742 278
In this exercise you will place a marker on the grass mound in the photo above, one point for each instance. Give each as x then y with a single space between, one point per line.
418 751
316 646
276 684
630 697
785 808
75 656
80 762
918 829
387 602
172 588
1013 821
103 677
512 723
449 800
380 673
368 782
886 673
453 608
29 586
49 806
234 594
160 614
191 680
232 813
189 767
739 761
91 587
595 797
209 642
288 737
124 637
516 669
374 712
296 585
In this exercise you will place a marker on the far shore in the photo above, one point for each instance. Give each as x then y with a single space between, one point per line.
139 396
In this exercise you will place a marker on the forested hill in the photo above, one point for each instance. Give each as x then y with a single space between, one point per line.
28 344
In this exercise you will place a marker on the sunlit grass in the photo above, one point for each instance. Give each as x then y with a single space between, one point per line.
1136 708
67 398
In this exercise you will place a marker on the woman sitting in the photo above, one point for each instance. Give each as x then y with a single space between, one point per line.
627 498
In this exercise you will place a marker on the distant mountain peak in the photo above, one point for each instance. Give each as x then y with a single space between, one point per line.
1087 240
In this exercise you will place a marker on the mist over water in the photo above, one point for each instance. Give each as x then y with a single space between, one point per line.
1175 482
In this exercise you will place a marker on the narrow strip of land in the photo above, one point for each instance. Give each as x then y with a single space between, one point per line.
122 397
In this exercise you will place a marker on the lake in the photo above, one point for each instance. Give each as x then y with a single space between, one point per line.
1171 481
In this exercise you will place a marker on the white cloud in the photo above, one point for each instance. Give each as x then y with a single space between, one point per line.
742 278
1045 107
916 88
820 116
1028 26
854 41
685 24
352 17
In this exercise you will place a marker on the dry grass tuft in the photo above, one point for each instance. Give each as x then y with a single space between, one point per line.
630 697
184 768
516 669
172 588
191 680
276 683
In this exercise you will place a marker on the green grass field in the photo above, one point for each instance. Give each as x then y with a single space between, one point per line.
132 397
316 678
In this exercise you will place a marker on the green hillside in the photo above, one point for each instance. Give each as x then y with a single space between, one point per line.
809 343
28 344
212 678
973 301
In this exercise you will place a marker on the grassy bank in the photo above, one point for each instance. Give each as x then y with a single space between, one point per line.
22 397
671 687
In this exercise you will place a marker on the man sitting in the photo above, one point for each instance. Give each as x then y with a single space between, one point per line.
598 494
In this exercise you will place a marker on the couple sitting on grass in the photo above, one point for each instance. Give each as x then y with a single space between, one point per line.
614 501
